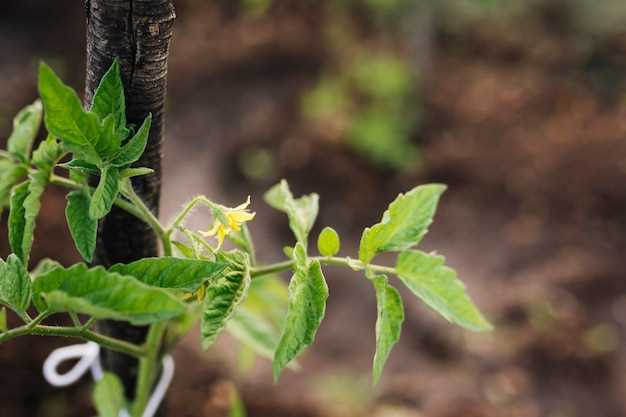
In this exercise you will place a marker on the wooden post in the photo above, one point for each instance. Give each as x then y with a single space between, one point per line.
138 33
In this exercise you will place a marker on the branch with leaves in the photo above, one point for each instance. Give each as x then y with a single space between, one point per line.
197 278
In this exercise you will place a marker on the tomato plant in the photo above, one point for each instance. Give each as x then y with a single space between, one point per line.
197 277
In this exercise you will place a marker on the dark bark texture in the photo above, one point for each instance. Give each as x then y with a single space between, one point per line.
138 33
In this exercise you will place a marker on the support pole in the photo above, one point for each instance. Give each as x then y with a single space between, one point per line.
138 33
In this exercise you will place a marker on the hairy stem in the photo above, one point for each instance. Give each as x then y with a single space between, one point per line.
78 332
148 366
324 260
120 202
180 217
146 213
154 223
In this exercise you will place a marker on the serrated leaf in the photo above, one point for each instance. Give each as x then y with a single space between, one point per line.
32 204
222 297
134 148
253 331
173 273
16 218
83 228
438 286
26 200
10 174
388 323
103 295
65 118
15 286
25 127
108 396
109 97
404 223
105 194
301 212
328 242
47 154
308 293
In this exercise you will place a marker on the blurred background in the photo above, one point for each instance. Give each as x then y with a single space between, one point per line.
518 105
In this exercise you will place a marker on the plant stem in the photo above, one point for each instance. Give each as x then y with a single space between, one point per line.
148 216
78 332
324 260
180 217
148 366
271 268
75 320
72 185
146 213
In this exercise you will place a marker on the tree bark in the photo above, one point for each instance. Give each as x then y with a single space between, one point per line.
138 33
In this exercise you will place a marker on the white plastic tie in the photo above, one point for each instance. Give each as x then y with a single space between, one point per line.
88 356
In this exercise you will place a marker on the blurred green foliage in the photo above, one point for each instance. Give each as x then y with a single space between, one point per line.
368 95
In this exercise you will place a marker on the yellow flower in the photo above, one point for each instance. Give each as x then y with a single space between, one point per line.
228 220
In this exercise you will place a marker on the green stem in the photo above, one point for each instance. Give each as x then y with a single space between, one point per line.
72 185
148 366
186 210
75 320
324 260
148 216
248 238
77 332
146 213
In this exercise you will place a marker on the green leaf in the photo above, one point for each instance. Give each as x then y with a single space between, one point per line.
32 205
328 242
388 323
173 273
103 295
301 212
44 266
82 227
25 127
106 192
3 320
15 286
222 297
134 148
81 166
64 115
109 97
109 140
438 286
135 172
308 293
404 223
17 221
108 396
10 174
185 251
26 200
47 154
180 326
268 297
253 331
